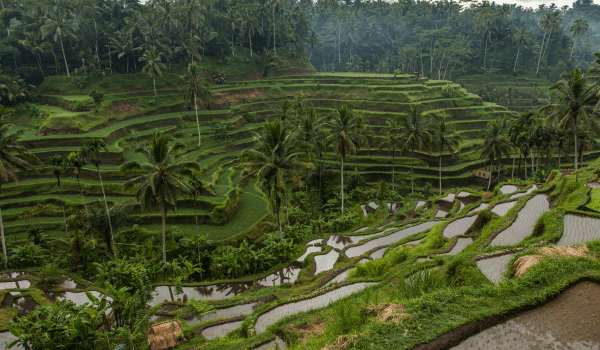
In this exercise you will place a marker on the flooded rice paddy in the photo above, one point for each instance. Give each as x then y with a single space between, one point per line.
525 222
220 330
378 254
449 198
389 239
459 227
579 230
309 250
503 208
480 207
519 195
568 322
325 262
460 245
276 314
494 268
508 189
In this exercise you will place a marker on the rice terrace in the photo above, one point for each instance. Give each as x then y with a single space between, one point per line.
280 174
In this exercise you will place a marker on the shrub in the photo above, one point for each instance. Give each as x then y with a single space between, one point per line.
27 255
50 275
421 283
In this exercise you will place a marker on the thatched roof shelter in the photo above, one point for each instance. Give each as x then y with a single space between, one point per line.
165 335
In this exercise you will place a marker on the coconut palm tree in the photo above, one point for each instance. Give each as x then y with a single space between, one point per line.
124 45
579 28
521 37
153 64
77 162
95 146
574 104
159 182
446 137
392 140
235 21
275 160
57 25
495 144
196 87
57 163
346 134
416 133
10 162
310 131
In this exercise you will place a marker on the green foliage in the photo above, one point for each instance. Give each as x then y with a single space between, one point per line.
427 190
199 308
26 255
420 283
50 275
220 77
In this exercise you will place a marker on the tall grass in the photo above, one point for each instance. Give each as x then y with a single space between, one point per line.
421 283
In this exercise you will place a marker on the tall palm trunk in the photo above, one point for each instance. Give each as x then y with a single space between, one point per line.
112 236
278 217
393 168
559 154
547 42
250 36
573 49
441 150
485 54
2 236
412 168
154 80
40 65
512 175
342 188
274 43
575 133
62 204
516 59
87 214
540 57
163 215
491 173
197 120
525 168
64 56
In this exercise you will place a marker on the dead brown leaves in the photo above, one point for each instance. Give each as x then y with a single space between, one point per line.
342 342
525 262
309 330
384 312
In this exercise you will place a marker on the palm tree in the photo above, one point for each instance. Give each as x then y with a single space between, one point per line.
494 145
275 160
346 133
314 40
416 133
555 21
514 131
95 146
486 33
579 28
57 163
545 24
124 45
310 131
57 25
153 64
191 15
77 162
10 162
446 136
32 42
522 37
15 88
196 86
250 26
235 21
161 181
392 140
575 101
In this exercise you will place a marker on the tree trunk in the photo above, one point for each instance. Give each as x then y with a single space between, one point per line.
274 45
342 190
250 36
540 58
485 55
525 167
197 120
2 236
516 59
154 80
40 65
559 154
87 214
573 49
412 168
547 42
491 173
512 175
519 169
62 204
393 169
441 150
232 49
112 236
64 56
163 215
278 217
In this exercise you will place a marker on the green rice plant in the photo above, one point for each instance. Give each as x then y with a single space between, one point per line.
421 283
347 316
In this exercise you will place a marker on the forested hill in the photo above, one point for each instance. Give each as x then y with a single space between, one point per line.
440 39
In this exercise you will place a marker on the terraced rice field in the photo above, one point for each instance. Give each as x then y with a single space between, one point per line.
459 227
579 229
568 322
523 225
494 268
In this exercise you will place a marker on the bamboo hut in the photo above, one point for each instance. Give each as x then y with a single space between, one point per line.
165 335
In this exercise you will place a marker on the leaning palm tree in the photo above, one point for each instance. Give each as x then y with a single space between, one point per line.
153 64
77 162
57 25
574 104
57 163
495 144
416 133
9 164
392 140
196 87
446 137
579 28
160 181
275 160
95 146
346 134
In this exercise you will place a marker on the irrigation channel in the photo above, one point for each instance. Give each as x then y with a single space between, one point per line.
370 246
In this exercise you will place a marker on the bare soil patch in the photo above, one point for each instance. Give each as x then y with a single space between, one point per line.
124 107
308 330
